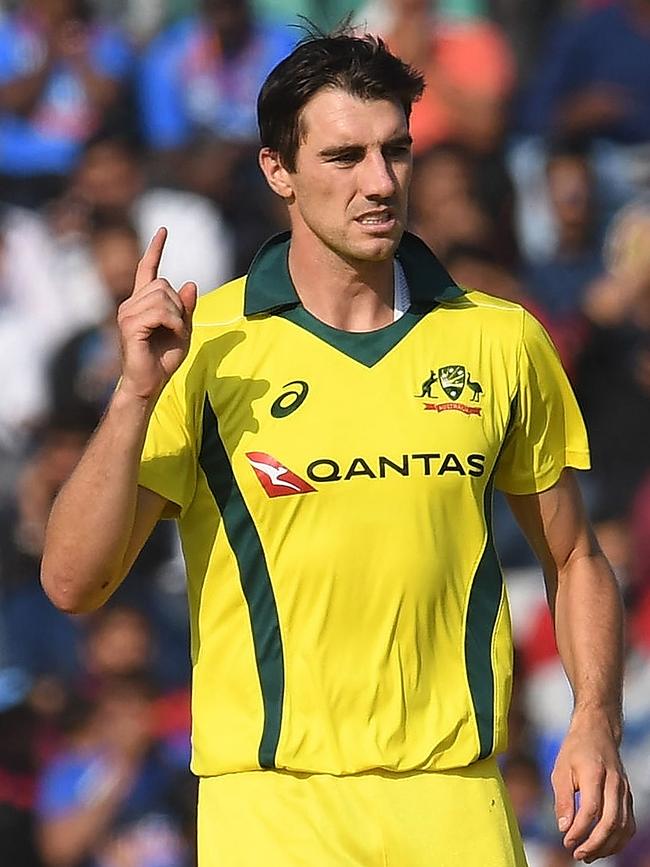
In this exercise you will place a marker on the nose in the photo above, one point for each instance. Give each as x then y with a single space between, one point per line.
377 180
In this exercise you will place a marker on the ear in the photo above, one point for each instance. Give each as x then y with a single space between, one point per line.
277 177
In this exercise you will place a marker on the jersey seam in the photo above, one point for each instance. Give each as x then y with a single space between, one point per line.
219 324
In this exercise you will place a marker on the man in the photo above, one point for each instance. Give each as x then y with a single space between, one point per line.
350 634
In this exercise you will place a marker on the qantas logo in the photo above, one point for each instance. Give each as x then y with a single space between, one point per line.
279 481
276 479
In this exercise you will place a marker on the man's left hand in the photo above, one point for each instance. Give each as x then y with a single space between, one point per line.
589 763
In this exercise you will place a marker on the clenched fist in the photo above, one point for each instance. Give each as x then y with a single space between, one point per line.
155 324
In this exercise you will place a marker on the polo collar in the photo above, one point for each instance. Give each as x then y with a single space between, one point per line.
269 287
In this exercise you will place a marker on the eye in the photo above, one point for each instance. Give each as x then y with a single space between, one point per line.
397 151
345 158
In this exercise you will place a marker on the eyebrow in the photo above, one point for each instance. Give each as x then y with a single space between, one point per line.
337 150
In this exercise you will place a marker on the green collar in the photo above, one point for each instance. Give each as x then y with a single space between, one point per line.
269 287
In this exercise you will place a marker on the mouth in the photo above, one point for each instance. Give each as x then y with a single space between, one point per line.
377 221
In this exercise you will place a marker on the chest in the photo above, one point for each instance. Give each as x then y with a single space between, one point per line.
296 408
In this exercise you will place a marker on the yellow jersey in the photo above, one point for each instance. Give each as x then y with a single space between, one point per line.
333 492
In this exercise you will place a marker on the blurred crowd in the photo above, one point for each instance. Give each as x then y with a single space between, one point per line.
531 182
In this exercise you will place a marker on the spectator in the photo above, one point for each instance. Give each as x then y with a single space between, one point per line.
61 73
110 182
198 90
84 371
560 282
613 378
204 73
39 641
31 321
584 90
34 636
457 199
469 70
105 800
444 207
118 641
18 761
229 176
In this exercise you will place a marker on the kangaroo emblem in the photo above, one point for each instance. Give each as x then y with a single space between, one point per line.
427 385
475 387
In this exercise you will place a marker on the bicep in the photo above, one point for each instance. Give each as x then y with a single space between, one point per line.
555 524
149 509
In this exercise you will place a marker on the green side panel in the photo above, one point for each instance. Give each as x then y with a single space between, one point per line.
367 347
482 611
255 580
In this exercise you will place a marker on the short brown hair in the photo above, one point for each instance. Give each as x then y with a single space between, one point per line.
360 65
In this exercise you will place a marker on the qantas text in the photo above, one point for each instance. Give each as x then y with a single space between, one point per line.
423 464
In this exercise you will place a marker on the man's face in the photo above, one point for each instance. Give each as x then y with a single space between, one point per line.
231 20
353 168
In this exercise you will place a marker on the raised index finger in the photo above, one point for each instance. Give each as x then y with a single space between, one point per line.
147 269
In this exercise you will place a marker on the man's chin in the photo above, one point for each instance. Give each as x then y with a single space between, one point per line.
377 249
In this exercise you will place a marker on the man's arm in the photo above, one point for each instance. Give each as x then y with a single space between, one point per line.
586 606
101 518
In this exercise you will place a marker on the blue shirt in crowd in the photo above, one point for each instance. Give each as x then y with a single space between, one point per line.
187 88
605 48
48 139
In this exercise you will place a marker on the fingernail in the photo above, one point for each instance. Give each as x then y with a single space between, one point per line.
563 823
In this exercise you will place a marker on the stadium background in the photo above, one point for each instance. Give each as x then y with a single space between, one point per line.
532 181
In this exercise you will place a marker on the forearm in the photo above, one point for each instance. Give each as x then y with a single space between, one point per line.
92 518
71 838
589 632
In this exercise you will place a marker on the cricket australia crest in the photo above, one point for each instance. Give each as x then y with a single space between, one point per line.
453 379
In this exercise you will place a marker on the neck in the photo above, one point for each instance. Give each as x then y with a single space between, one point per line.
351 295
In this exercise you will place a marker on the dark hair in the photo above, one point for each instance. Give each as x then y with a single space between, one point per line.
115 137
360 65
111 222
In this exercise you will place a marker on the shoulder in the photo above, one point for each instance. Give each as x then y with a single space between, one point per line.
504 326
481 307
221 309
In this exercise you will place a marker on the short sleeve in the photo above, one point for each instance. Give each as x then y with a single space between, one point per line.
546 431
168 462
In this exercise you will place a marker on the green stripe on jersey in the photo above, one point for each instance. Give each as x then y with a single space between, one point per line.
482 612
245 542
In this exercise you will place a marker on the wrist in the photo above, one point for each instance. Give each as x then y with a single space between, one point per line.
128 399
589 715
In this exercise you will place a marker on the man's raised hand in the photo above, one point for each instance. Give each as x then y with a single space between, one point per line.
155 324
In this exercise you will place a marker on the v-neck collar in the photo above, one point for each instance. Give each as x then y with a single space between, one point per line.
270 290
